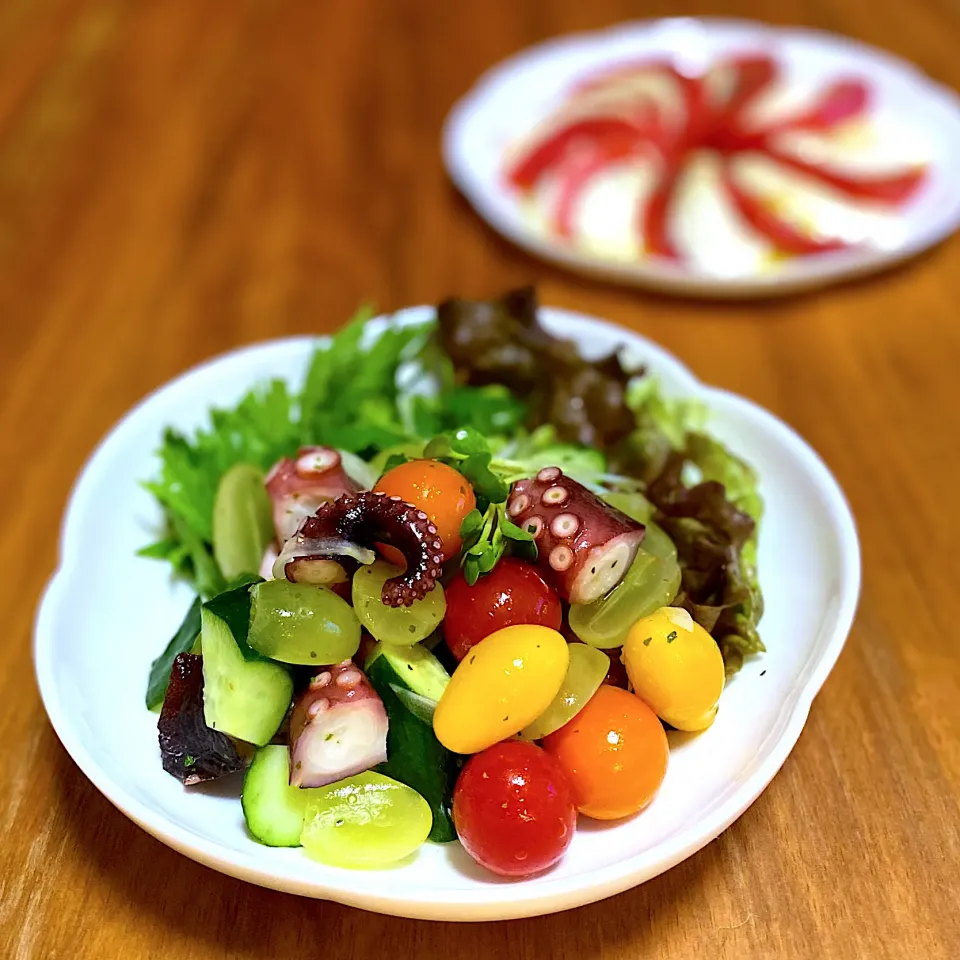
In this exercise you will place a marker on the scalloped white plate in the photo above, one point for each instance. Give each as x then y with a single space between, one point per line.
106 614
514 96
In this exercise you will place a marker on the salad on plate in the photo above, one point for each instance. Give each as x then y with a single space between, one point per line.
457 585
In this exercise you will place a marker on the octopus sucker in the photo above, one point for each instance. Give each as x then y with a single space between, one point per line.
298 486
584 546
338 727
352 525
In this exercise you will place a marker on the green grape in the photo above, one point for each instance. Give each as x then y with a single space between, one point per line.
588 666
651 582
301 623
242 521
657 542
403 626
365 821
634 505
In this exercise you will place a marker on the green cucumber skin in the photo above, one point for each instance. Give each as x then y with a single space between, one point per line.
273 809
415 756
246 699
420 670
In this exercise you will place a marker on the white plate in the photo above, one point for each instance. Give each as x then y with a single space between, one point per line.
513 97
106 614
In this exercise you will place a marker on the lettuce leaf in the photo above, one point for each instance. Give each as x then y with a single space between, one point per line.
362 393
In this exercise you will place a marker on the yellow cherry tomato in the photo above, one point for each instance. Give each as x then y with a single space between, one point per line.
676 667
504 683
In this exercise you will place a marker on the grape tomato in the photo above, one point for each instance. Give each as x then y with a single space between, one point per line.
502 685
676 667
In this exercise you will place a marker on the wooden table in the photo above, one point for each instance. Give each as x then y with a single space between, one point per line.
177 178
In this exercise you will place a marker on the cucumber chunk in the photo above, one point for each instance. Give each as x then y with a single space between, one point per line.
418 669
246 699
274 810
414 754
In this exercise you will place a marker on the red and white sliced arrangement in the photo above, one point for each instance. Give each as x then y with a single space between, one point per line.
710 157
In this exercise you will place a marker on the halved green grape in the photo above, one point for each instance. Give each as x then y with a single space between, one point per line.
657 542
403 626
651 582
301 623
588 666
242 521
365 821
634 505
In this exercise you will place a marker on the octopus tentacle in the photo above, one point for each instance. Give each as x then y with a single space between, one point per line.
367 518
584 545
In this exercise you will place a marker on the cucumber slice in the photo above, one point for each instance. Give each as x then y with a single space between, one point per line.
242 521
246 699
414 754
274 810
418 669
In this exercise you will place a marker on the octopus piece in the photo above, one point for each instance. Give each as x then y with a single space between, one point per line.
297 487
190 750
344 533
338 727
584 546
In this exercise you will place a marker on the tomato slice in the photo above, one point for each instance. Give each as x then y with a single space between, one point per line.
554 148
894 189
782 234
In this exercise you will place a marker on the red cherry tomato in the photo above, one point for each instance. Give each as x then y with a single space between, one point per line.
442 493
512 593
513 809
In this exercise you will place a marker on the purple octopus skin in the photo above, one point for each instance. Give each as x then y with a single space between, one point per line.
352 525
298 486
584 546
190 750
338 727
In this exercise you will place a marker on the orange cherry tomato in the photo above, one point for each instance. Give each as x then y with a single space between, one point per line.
442 493
614 752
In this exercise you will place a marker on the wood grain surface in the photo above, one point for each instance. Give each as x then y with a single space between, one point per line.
177 178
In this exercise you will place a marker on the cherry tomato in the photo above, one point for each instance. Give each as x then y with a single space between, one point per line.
513 809
614 752
512 593
444 495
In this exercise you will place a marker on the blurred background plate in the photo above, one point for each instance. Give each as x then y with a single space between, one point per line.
513 97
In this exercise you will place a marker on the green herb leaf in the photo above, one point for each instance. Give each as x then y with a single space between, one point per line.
181 642
485 483
472 524
511 530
